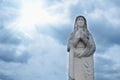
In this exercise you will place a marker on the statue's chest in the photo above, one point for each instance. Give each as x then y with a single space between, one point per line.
80 44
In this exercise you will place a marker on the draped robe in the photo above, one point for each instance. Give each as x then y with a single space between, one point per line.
81 47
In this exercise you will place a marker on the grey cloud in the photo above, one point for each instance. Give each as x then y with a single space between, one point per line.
5 77
105 68
8 37
86 7
10 53
60 34
81 7
9 43
46 63
105 34
115 2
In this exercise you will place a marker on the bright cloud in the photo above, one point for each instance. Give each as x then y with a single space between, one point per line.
36 13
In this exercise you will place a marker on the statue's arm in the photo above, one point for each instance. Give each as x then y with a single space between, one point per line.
77 37
69 44
84 39
73 40
90 48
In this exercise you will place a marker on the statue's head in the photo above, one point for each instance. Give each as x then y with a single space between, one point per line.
80 22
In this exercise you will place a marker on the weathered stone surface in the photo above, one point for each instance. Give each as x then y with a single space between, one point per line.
81 47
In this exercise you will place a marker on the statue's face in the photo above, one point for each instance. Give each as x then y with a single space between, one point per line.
80 22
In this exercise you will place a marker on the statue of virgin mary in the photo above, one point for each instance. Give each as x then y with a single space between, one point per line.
81 47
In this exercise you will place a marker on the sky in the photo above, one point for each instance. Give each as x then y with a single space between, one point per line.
34 34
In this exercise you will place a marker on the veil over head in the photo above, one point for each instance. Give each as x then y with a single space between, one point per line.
76 26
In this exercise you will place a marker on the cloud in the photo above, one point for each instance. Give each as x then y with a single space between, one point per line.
48 61
105 33
8 37
59 33
115 3
36 33
41 14
12 46
107 64
11 42
11 53
5 77
8 12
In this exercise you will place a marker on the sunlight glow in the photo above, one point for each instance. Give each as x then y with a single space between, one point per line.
33 14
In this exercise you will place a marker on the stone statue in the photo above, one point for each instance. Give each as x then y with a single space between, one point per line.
81 47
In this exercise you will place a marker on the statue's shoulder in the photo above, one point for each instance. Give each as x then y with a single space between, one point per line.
72 33
90 35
